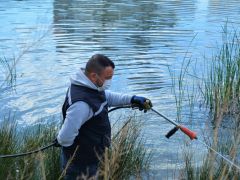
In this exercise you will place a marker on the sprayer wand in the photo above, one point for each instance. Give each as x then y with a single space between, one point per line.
192 135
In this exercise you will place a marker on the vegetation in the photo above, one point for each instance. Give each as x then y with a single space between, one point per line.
126 158
221 95
222 90
9 70
33 166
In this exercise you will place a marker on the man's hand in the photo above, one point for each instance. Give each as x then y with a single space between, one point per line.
141 102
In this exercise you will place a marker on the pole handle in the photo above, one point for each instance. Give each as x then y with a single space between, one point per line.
191 134
172 132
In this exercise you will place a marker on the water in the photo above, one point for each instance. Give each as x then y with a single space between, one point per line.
144 38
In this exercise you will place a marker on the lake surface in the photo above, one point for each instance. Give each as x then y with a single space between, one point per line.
51 40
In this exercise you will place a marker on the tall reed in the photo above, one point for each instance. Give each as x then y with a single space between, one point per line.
8 68
127 157
8 65
221 94
222 88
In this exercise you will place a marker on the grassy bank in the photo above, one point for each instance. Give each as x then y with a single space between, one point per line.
13 139
126 158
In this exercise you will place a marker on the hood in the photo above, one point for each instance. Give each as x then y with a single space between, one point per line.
81 79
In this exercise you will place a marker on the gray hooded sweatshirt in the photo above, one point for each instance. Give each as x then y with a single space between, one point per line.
80 112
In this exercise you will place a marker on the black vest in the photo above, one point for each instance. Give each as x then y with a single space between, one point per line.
95 134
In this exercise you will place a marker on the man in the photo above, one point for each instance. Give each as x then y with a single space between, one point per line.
86 130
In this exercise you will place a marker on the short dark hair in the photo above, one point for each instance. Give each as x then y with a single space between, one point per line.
97 63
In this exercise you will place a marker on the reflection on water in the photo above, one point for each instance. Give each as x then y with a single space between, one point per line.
139 35
143 38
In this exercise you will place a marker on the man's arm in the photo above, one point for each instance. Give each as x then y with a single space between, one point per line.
117 99
77 114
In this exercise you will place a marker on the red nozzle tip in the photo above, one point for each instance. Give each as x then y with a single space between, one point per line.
191 134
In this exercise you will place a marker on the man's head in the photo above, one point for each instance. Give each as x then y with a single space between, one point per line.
99 69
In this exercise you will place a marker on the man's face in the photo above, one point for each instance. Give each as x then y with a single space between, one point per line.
106 74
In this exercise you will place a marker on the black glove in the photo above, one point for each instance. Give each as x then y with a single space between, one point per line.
56 144
141 102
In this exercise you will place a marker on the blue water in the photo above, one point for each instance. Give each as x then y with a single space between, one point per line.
50 40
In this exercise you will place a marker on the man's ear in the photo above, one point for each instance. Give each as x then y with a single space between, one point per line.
93 77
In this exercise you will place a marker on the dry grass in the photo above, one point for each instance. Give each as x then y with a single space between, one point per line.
127 156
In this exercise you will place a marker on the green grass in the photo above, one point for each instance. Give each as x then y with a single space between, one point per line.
222 88
14 141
